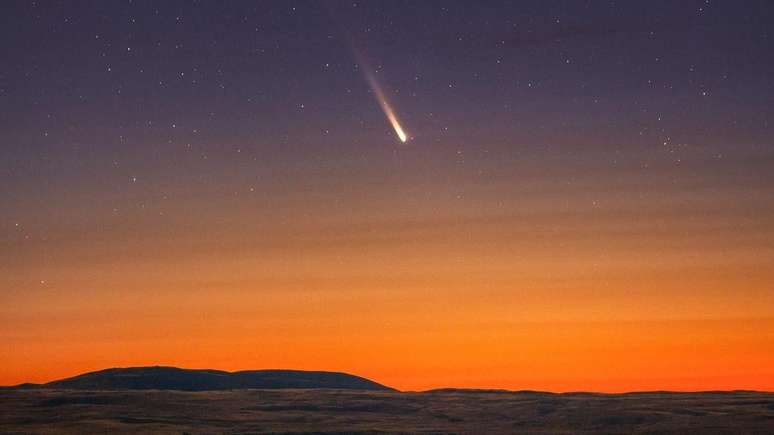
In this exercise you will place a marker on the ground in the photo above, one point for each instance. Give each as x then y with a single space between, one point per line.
447 411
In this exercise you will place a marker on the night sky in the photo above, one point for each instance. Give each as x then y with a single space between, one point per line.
585 200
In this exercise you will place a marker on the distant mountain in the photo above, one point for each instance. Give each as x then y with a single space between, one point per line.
173 378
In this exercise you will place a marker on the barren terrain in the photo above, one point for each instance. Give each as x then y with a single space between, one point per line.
442 411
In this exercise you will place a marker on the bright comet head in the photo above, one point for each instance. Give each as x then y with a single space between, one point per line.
398 129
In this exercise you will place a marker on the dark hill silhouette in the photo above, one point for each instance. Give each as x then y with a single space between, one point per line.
173 378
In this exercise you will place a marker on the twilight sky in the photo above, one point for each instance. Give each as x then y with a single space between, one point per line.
586 200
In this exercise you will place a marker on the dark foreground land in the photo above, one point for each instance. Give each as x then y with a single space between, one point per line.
443 411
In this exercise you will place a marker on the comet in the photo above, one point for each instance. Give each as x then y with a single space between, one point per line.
376 88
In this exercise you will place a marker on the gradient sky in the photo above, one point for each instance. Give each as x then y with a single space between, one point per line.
586 201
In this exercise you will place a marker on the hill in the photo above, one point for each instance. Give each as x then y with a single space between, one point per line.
173 378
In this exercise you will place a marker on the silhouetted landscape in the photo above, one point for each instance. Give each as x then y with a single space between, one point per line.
173 378
172 400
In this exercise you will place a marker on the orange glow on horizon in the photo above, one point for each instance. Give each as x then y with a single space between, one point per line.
412 291
523 298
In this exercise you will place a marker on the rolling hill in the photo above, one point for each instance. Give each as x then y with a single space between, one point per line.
173 378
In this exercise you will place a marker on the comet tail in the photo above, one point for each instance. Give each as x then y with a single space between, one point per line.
386 108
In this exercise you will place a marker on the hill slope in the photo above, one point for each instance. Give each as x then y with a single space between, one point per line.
173 378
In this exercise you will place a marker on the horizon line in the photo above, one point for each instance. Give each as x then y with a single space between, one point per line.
464 389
